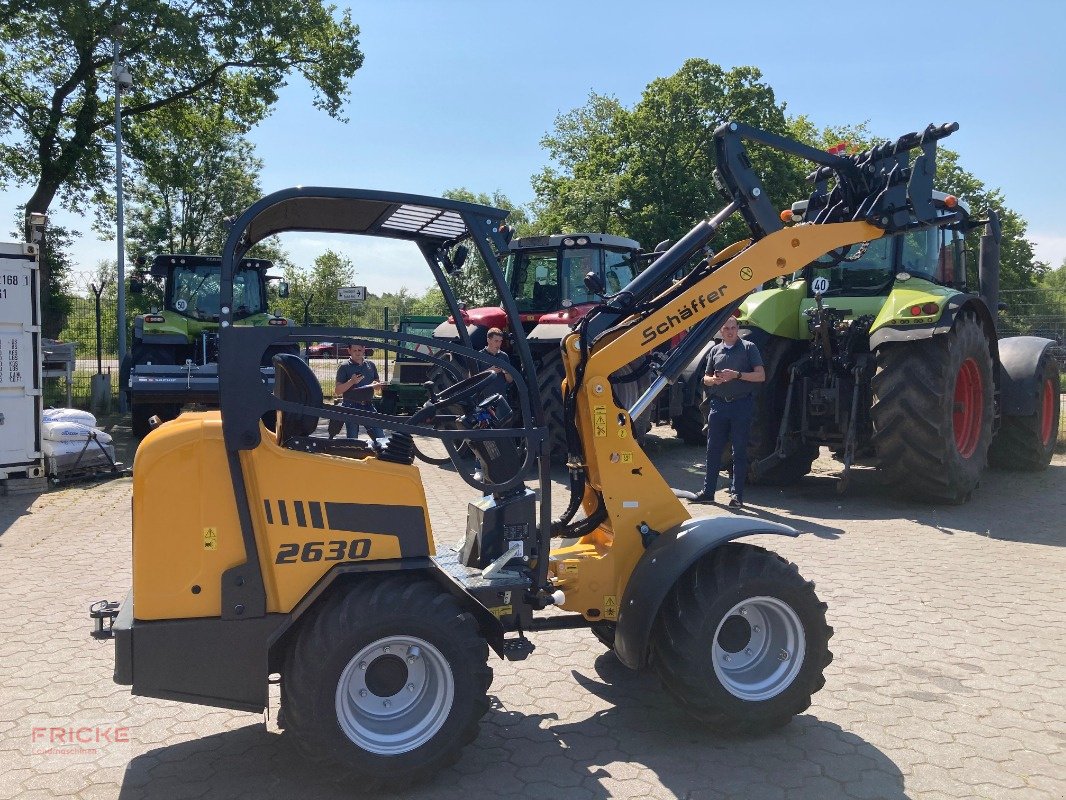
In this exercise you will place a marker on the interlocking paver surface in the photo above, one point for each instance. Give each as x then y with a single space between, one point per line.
948 680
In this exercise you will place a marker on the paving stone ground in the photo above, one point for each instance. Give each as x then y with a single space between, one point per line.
948 680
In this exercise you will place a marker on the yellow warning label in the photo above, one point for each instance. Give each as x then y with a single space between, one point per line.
746 273
501 611
210 538
627 457
610 606
599 418
622 433
570 568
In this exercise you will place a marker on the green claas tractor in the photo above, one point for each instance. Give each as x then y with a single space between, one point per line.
405 391
173 360
881 351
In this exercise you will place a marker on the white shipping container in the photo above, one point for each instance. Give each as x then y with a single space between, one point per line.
20 362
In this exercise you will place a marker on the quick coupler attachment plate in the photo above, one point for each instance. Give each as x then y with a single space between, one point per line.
104 611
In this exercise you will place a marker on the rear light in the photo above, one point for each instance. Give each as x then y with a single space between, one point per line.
838 149
278 322
930 308
916 311
786 215
154 318
951 201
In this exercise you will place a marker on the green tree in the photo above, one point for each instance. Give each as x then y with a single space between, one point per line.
56 96
472 283
319 284
192 170
646 172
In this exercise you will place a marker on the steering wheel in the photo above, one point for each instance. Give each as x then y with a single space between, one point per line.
466 388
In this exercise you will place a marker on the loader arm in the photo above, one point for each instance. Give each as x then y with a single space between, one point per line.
874 193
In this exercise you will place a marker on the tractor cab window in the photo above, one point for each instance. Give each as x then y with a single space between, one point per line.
576 264
618 270
533 276
921 253
195 292
868 272
949 265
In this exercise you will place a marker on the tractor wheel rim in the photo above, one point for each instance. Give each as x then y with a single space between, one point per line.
1048 418
759 648
968 415
394 695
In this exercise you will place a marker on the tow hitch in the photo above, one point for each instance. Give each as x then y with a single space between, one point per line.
101 611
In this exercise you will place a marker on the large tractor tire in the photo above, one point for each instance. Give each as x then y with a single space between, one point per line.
778 354
550 374
140 412
1026 443
389 680
741 641
627 392
691 425
932 412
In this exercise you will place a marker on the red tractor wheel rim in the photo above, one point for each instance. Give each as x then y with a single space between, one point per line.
969 408
1046 430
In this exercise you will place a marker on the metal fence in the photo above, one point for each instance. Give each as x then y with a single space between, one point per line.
1028 312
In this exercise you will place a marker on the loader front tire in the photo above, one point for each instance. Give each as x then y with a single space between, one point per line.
741 640
389 679
550 374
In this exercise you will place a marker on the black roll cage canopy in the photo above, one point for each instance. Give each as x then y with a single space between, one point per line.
436 225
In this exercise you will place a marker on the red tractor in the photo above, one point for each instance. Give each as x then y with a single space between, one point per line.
555 281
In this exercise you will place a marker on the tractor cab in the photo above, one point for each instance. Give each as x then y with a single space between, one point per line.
191 286
547 274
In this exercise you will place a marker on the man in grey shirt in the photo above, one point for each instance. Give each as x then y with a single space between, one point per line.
734 367
355 383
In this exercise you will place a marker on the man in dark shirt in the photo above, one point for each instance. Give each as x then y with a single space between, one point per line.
734 367
356 379
493 343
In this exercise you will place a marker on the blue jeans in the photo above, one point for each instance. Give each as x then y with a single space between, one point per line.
351 429
729 422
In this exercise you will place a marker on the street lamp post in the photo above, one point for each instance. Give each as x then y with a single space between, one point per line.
123 82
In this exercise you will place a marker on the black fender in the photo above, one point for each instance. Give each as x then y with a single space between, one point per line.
660 567
970 303
1019 383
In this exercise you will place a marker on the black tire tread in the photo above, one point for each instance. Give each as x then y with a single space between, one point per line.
550 374
1017 444
682 616
374 599
913 434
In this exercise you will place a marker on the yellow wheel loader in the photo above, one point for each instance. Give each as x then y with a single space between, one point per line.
294 555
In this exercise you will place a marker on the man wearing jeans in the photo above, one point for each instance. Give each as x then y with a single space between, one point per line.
734 367
355 383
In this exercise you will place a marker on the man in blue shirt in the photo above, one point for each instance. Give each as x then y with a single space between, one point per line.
734 368
356 379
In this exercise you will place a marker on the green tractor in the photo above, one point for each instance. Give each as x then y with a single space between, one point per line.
882 352
405 391
173 360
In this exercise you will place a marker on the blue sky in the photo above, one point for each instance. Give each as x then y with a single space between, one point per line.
460 93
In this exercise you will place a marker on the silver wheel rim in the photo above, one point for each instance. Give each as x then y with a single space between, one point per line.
758 648
394 695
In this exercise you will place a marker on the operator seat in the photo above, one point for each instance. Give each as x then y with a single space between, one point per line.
294 382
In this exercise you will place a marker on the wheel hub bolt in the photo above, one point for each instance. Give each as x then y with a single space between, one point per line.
385 649
747 652
756 629
410 687
387 704
413 655
362 692
743 611
729 658
362 665
782 655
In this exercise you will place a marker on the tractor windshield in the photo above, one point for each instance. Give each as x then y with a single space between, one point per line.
194 292
865 270
549 279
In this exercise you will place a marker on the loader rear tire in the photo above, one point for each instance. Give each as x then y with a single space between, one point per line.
389 679
932 412
1026 443
741 640
778 354
691 425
